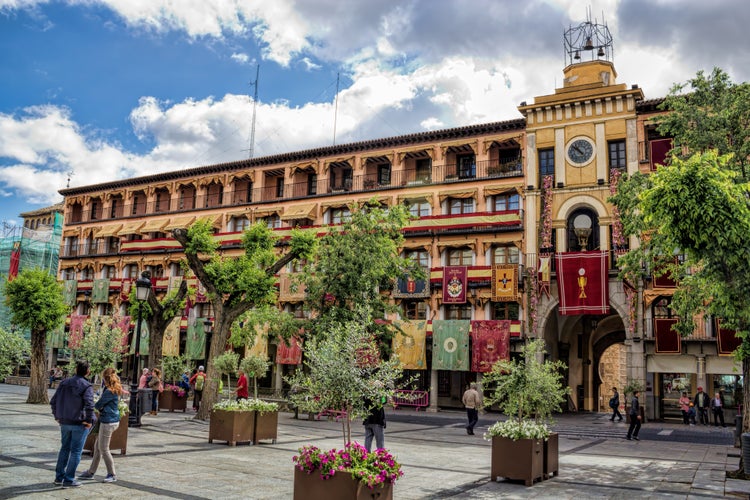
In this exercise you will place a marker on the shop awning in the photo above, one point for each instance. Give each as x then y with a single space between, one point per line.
415 197
671 364
108 231
303 211
153 226
460 193
501 189
266 211
214 220
179 223
130 228
722 365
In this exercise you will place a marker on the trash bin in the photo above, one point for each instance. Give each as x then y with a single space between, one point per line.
737 427
144 401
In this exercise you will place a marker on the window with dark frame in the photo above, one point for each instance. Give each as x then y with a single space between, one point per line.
462 256
546 164
505 310
617 156
504 202
460 206
458 311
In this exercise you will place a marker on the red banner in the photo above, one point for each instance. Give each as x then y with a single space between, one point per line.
15 260
727 339
582 283
490 343
667 340
454 284
289 354
124 325
76 330
125 288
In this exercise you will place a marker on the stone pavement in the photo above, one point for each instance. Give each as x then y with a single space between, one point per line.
170 457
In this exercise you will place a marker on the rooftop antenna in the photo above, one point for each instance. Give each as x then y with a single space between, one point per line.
70 174
336 108
251 149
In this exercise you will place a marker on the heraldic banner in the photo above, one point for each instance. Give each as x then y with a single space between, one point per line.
143 347
195 346
410 345
582 283
100 292
170 345
70 289
289 354
76 330
259 346
505 283
490 343
450 345
410 288
727 339
56 337
123 323
454 284
667 340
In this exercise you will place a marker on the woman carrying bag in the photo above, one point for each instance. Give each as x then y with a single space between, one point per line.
109 421
156 387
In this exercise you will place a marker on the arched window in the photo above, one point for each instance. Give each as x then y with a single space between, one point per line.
583 230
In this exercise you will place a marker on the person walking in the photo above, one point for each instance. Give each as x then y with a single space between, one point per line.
472 401
614 403
717 407
109 421
143 381
684 403
374 426
156 387
635 418
702 403
198 381
73 408
242 386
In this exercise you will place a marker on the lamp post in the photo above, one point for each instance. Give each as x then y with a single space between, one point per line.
142 289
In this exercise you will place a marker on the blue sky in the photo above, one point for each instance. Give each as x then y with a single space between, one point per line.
109 89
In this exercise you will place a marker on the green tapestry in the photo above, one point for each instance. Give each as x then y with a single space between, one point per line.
70 290
100 292
143 351
450 345
195 346
56 337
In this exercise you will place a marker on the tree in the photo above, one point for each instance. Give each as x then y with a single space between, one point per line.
226 364
35 299
236 284
173 367
254 366
13 347
102 343
697 205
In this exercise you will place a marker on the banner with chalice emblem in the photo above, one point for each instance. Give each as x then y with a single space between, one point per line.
450 345
505 283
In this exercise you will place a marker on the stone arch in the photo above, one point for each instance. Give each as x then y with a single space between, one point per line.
575 202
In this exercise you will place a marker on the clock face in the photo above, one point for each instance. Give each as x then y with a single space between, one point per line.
580 151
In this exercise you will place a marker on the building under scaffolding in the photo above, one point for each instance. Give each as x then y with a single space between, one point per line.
33 245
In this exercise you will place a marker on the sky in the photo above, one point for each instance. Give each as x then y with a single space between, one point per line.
98 90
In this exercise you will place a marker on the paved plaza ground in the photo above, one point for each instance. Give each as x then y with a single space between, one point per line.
170 457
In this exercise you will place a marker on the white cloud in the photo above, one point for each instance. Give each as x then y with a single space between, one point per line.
240 58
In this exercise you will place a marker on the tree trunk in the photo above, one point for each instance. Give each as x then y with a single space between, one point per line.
39 379
157 324
218 343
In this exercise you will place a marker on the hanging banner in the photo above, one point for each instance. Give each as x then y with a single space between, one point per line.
454 284
727 340
582 283
76 330
174 283
505 283
125 286
70 290
667 340
143 347
200 293
259 347
289 354
490 343
409 344
123 324
195 345
100 291
56 337
15 260
544 273
408 288
450 345
170 345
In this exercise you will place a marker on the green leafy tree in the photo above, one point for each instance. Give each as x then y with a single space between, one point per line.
173 367
697 205
255 367
226 364
101 344
13 347
343 371
236 284
35 300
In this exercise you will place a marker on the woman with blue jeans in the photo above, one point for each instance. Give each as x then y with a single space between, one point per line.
109 421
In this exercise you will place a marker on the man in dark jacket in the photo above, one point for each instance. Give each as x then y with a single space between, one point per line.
635 418
702 403
374 425
73 408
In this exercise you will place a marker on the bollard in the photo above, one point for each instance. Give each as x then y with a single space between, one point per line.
737 430
746 451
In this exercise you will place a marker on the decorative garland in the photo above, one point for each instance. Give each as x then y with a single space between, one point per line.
546 211
618 239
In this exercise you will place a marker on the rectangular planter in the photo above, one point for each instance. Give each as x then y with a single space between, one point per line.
340 487
168 400
551 455
266 426
521 460
232 426
119 439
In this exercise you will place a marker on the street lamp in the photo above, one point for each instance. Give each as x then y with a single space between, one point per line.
142 289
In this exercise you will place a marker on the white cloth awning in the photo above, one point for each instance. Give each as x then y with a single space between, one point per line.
722 365
671 364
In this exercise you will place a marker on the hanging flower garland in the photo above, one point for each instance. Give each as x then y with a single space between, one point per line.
533 299
546 211
631 298
618 239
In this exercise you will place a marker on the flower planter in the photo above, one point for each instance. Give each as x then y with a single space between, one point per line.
232 426
266 426
168 400
551 455
342 486
522 459
119 439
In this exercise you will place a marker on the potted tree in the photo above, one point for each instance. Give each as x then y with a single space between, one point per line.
527 390
234 421
173 397
343 371
266 418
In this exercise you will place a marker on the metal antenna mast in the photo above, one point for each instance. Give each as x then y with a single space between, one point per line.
336 109
251 149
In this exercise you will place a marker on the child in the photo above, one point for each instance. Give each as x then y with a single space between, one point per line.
691 413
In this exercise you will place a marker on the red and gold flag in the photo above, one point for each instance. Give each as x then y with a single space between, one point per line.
454 284
583 283
76 330
505 283
490 343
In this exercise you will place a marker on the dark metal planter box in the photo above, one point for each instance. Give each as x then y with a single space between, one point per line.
552 456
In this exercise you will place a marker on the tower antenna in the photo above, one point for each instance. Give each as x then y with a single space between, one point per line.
336 109
251 149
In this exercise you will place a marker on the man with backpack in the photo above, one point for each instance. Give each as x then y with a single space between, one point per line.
198 381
